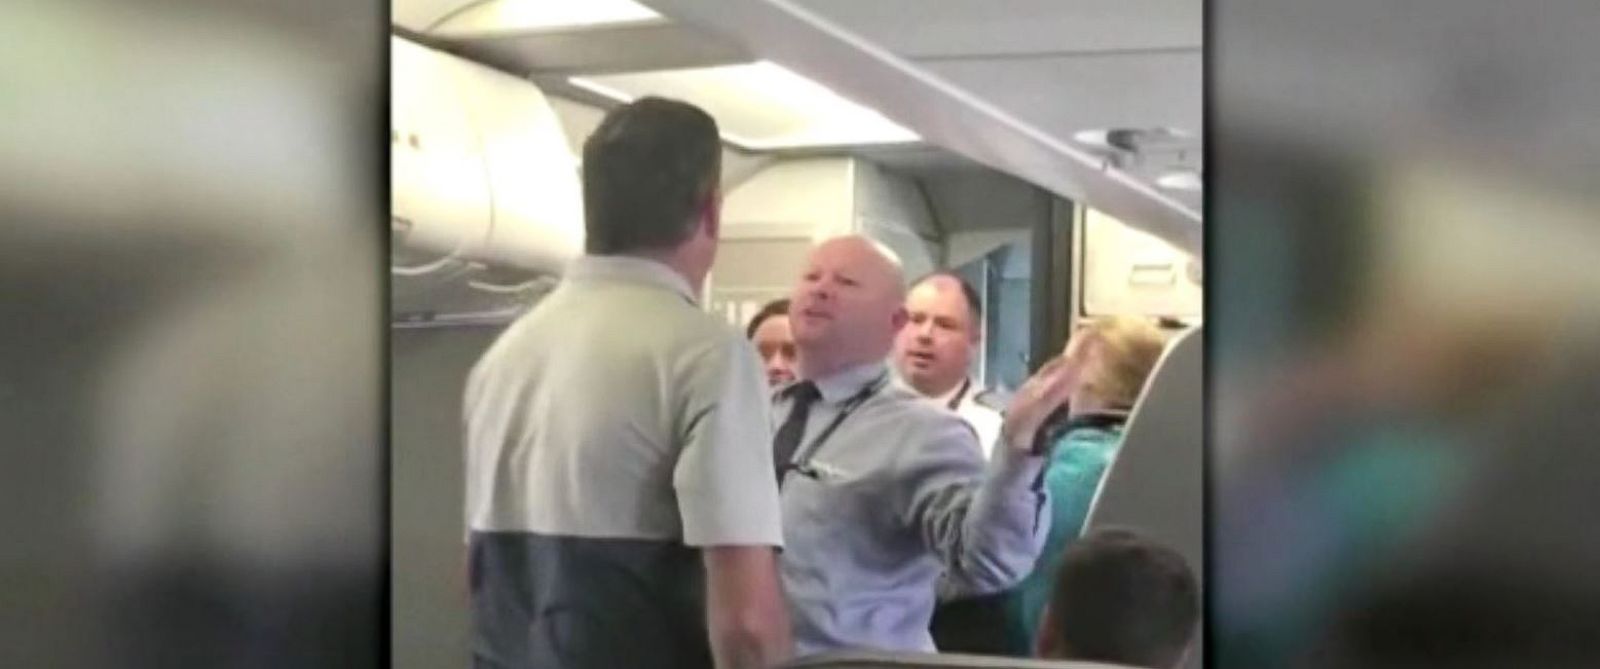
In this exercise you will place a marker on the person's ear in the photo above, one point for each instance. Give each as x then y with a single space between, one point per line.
899 318
711 213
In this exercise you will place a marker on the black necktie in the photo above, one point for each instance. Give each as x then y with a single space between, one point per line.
803 395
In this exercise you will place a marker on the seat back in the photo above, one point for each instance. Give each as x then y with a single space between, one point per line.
1156 484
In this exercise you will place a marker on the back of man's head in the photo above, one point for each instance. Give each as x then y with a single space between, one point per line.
1123 599
650 171
773 309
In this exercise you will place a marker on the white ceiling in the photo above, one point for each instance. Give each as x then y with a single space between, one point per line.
630 48
1061 66
759 106
1063 94
421 15
987 125
1007 83
986 28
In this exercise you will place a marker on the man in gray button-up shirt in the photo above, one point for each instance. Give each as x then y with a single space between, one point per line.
885 495
619 505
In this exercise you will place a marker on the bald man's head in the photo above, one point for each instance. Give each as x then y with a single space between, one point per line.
848 305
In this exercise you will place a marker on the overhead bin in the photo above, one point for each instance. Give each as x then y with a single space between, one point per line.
439 193
480 168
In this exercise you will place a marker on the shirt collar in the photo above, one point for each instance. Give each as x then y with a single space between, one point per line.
843 384
631 269
942 400
950 395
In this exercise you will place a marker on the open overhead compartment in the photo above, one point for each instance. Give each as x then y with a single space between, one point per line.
485 194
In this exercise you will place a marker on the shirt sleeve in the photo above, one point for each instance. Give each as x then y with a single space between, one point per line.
726 492
987 523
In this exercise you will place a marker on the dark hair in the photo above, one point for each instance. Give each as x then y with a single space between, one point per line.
778 307
968 293
1124 599
647 171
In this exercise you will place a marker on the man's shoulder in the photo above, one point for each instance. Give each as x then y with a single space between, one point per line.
905 401
924 439
908 410
648 313
643 329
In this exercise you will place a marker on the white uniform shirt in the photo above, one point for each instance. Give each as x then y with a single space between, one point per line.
984 420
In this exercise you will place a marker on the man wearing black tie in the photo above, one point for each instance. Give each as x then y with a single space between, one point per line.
883 494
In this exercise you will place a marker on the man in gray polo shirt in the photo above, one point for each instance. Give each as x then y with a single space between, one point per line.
617 437
884 494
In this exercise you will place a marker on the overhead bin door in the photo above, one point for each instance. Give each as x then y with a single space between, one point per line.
537 204
439 191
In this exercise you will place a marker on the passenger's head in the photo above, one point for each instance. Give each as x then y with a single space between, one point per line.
944 326
1122 599
769 329
848 305
650 183
1117 355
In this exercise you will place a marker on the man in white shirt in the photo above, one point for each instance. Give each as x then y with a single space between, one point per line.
934 350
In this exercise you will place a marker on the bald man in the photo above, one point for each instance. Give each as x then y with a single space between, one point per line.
883 494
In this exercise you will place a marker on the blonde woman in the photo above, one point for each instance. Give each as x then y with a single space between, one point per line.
1113 358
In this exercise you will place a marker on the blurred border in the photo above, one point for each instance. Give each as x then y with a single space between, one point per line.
1404 334
195 393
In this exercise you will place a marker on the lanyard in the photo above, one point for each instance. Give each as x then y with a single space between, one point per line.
802 457
955 402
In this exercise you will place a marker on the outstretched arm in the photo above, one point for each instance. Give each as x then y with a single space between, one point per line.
987 525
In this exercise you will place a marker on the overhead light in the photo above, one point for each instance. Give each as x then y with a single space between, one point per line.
1184 180
1095 138
532 15
759 106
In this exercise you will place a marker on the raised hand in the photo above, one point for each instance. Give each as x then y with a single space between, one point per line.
1043 393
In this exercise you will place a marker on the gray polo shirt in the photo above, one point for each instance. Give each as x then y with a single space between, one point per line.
609 432
895 499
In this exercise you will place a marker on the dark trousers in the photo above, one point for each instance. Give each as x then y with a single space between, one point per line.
548 602
973 625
